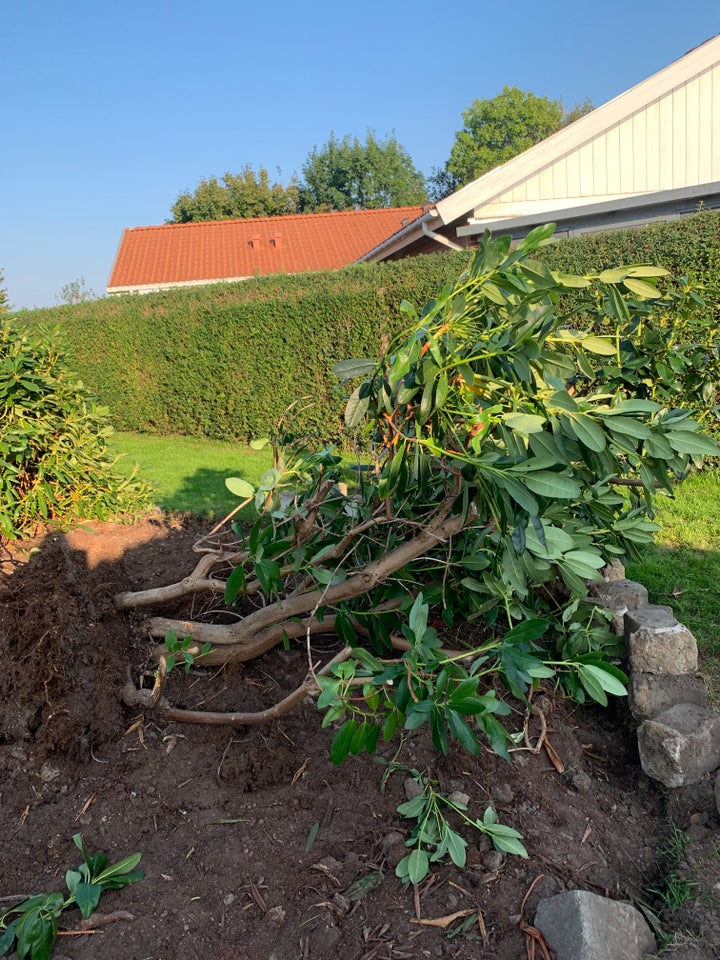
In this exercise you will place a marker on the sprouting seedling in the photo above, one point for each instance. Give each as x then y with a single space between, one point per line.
30 927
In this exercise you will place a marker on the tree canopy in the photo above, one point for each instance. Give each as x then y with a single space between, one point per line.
76 292
236 196
498 129
347 174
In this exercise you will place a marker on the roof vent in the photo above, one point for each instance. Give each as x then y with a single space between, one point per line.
277 241
254 242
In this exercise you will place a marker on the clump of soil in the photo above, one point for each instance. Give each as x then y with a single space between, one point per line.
255 846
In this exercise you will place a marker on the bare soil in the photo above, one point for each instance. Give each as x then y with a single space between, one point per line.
253 842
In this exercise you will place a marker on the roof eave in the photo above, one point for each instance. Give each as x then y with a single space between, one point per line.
508 224
398 241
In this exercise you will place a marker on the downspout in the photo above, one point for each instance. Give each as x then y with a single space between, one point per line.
439 237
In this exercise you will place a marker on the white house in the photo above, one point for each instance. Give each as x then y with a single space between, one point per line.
651 153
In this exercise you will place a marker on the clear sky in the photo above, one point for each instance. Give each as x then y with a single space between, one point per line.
111 109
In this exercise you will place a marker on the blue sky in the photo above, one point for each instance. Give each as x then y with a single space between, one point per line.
110 110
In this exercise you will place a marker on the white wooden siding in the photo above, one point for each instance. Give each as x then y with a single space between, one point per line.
669 143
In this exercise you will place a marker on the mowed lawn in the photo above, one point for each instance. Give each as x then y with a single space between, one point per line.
187 474
682 568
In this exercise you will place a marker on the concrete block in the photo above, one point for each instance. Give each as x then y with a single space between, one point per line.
579 925
657 643
681 745
650 694
618 596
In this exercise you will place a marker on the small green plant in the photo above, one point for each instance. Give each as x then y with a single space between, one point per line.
673 890
181 650
31 926
433 837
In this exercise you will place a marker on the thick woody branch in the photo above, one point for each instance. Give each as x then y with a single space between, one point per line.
146 699
263 628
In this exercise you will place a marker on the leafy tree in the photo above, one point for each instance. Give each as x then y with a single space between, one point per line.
496 130
237 196
347 174
76 292
4 305
577 110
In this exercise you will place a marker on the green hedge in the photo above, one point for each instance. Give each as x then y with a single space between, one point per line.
226 361
687 247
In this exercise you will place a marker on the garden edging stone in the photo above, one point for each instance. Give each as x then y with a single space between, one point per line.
678 744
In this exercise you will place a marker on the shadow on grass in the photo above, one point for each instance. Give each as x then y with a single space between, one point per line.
204 494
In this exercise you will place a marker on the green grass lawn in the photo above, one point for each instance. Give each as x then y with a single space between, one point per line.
188 475
682 568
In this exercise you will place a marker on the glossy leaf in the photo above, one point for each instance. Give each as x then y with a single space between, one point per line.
239 487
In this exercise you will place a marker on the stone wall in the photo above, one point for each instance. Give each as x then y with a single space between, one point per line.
678 736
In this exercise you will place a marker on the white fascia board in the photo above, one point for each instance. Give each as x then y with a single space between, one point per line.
524 208
570 138
155 287
637 201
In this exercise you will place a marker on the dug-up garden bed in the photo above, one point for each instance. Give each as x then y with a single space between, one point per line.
255 846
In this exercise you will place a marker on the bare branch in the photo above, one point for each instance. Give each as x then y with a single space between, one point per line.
143 698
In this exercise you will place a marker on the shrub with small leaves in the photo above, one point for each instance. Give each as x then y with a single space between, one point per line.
55 464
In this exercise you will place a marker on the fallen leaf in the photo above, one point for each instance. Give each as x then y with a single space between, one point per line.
444 922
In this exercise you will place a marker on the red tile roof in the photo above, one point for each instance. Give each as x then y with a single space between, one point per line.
181 253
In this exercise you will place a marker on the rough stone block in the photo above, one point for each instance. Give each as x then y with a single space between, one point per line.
613 571
579 925
681 745
618 596
657 643
650 694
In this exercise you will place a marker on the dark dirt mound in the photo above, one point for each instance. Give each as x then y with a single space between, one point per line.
253 843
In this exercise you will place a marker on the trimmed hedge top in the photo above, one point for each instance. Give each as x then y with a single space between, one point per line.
227 360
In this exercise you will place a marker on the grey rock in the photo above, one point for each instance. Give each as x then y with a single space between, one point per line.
492 861
502 792
650 694
578 780
579 925
48 773
342 903
717 794
657 643
618 596
613 571
391 839
619 593
275 917
459 798
412 788
681 745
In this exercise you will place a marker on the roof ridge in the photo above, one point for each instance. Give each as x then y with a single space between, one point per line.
416 208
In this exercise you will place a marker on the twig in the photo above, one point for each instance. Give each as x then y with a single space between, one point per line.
102 920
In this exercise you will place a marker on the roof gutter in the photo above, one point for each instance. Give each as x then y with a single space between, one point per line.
404 236
438 237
